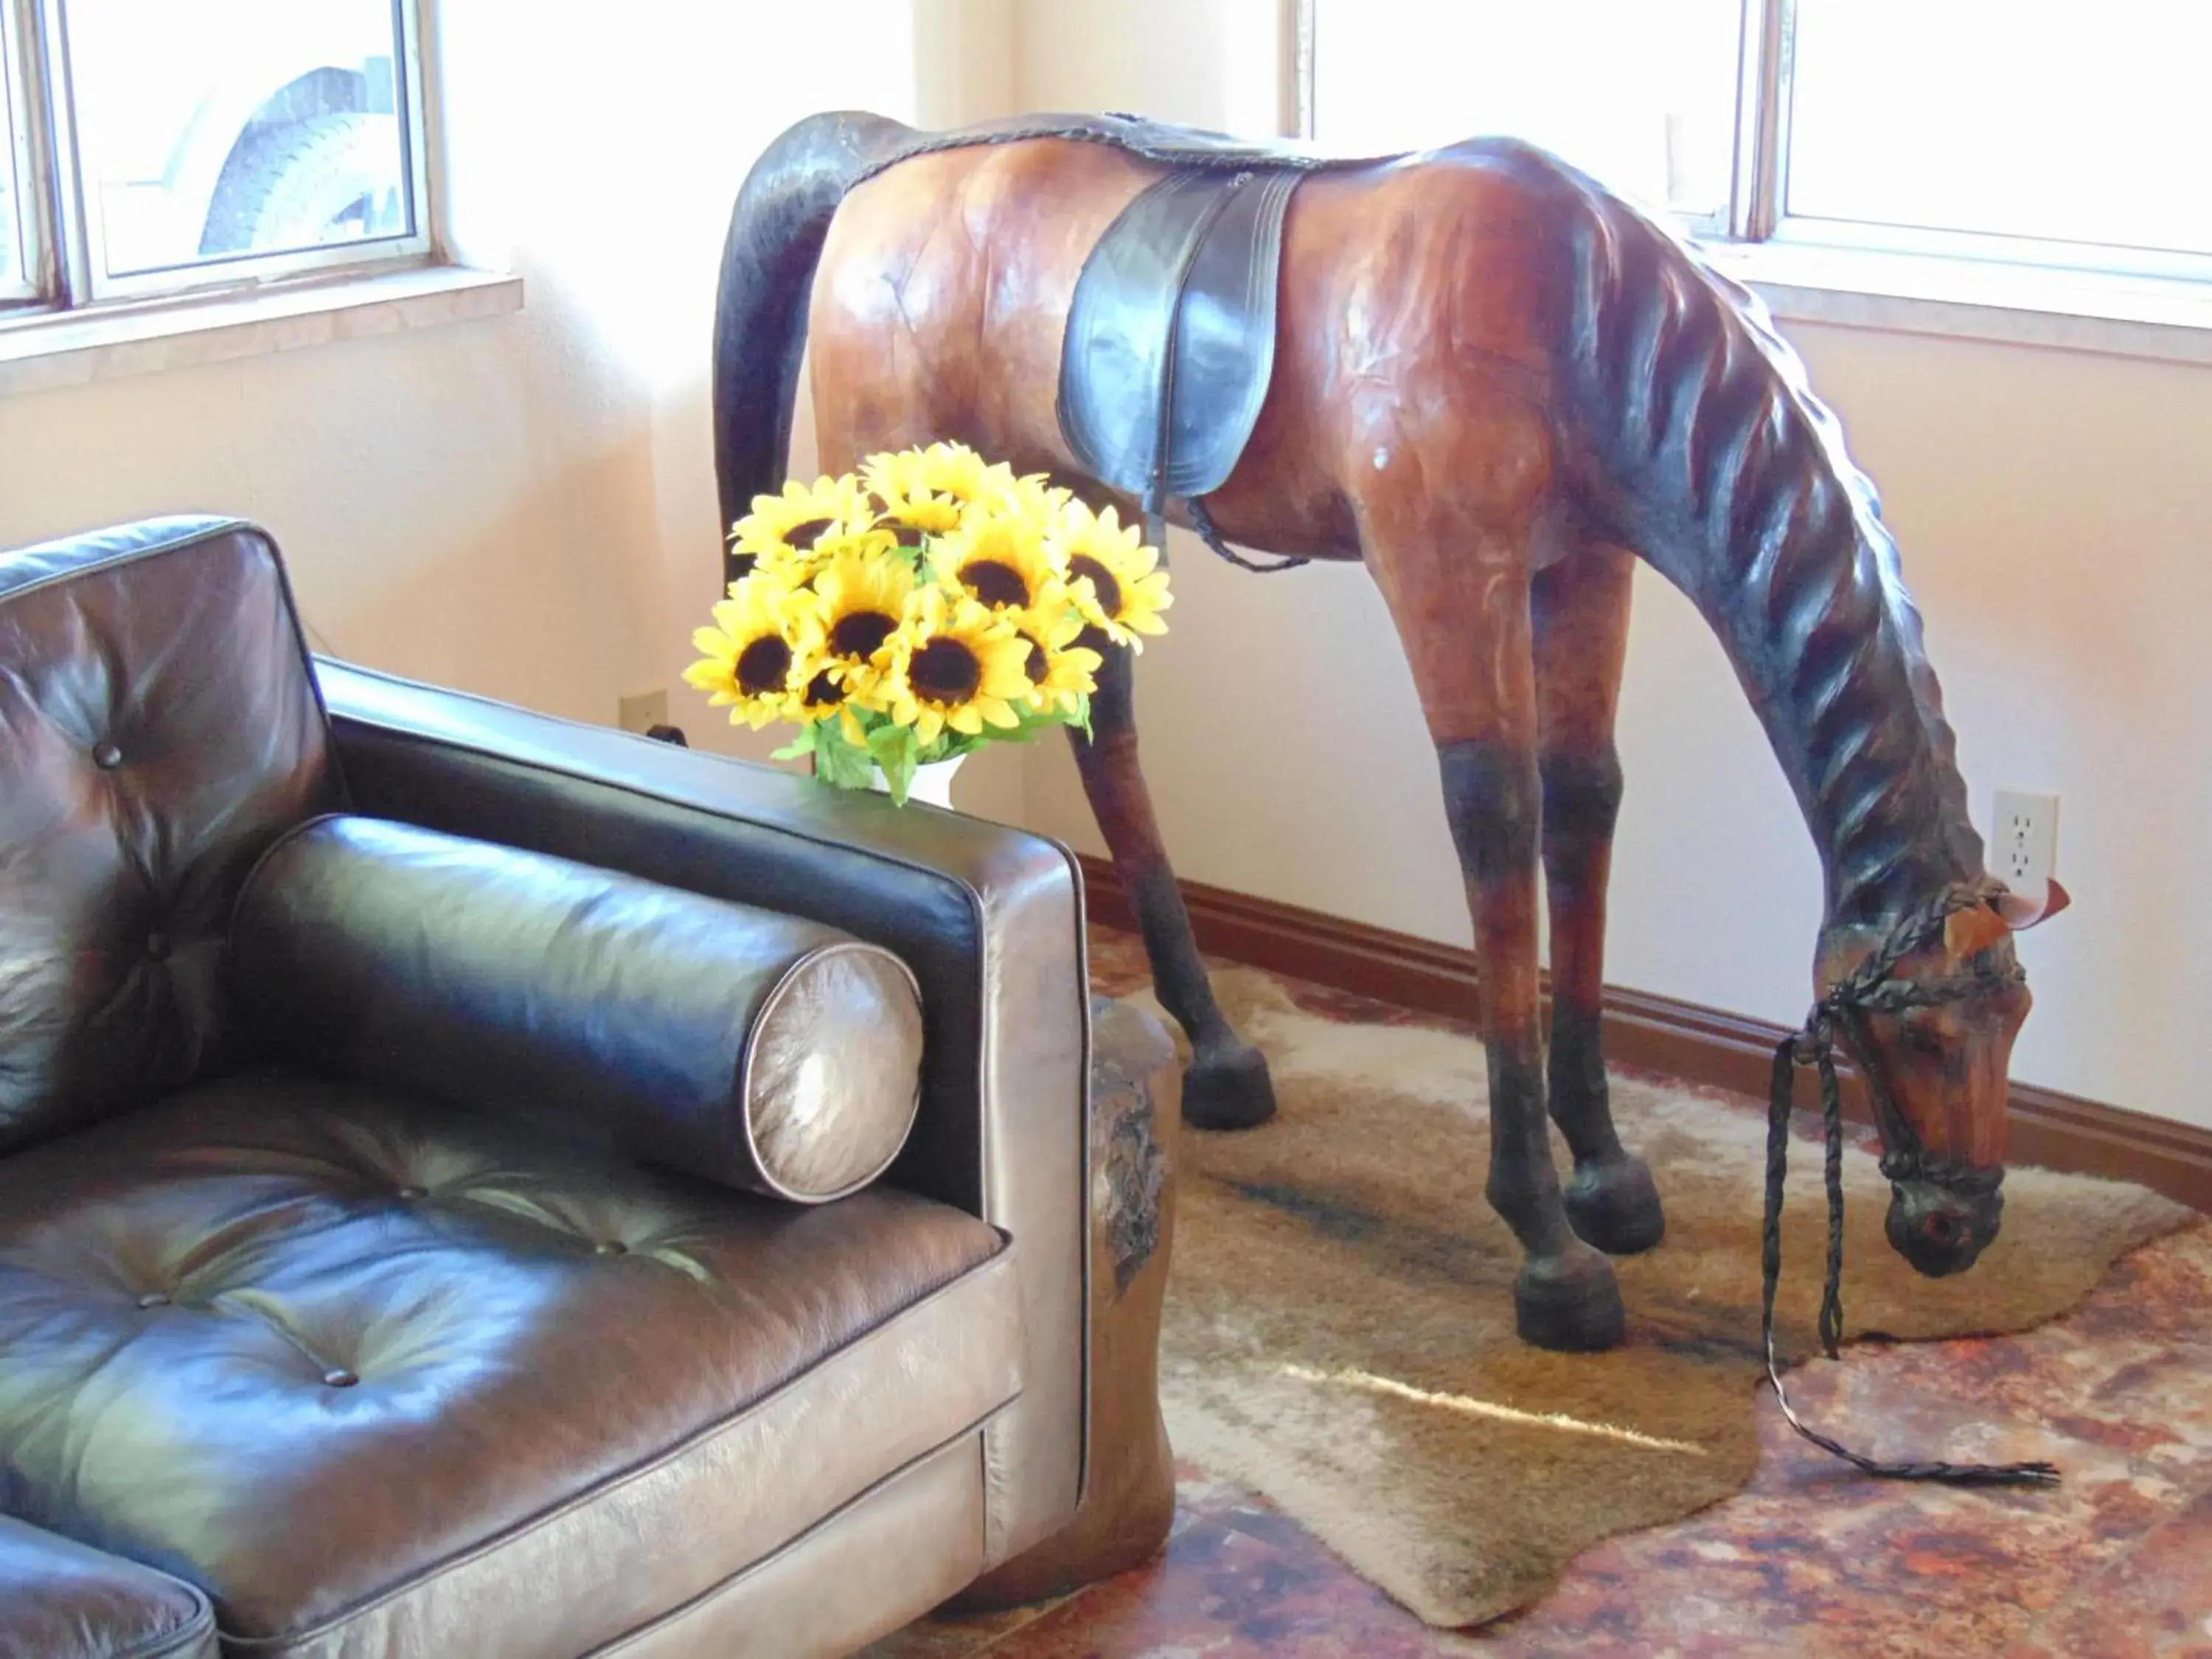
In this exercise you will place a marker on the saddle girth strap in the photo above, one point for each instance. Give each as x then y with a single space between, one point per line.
1202 522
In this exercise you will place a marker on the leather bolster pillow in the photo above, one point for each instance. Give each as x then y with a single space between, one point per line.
755 1049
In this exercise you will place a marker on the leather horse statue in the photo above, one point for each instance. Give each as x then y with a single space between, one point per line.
1497 385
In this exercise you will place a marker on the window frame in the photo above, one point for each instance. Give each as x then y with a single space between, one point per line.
22 154
1758 228
70 279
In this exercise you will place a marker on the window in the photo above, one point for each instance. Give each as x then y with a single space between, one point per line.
2068 136
162 147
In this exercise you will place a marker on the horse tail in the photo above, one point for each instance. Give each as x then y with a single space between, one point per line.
776 231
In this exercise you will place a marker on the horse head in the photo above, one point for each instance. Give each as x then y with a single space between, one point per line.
1929 1008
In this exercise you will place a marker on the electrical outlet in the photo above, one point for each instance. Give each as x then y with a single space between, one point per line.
644 711
2024 848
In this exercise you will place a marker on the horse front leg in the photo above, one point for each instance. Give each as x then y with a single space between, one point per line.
1226 1086
1463 616
1580 610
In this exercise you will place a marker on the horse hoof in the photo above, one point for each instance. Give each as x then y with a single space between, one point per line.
1615 1205
1570 1303
1228 1090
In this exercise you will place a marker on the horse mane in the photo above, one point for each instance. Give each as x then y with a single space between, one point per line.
1726 473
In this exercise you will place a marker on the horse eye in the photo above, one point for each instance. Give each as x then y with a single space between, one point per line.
1922 1037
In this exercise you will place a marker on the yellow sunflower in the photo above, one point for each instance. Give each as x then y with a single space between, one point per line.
1036 500
750 664
862 595
1060 671
930 490
1000 561
824 697
957 667
784 531
1116 581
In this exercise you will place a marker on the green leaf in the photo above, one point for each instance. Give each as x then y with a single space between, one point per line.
886 743
892 748
801 744
837 761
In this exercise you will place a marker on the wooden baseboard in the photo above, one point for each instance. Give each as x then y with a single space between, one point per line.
1651 1033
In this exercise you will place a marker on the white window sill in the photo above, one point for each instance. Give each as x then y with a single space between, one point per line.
1977 299
77 348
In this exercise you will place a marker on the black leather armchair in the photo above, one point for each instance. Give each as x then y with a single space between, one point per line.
350 1295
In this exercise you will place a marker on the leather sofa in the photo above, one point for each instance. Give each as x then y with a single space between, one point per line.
387 1266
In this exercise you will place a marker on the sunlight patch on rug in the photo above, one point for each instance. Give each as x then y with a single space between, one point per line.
1490 1408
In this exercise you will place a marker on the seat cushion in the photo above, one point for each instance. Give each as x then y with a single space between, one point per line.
59 1600
386 1377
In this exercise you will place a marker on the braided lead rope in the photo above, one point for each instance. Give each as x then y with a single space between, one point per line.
1815 1045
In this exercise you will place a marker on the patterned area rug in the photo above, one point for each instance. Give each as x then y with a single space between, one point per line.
1339 1332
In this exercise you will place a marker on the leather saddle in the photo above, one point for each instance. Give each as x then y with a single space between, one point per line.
1170 340
1170 337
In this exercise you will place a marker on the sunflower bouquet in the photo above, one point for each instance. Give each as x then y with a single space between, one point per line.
920 608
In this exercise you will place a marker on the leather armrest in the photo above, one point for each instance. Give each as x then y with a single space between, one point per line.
755 1049
62 1599
990 919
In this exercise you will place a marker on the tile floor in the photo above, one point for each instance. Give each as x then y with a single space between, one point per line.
1811 1559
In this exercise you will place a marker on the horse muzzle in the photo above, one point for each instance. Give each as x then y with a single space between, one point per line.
1940 1229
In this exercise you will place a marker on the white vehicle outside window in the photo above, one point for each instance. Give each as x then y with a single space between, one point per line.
166 146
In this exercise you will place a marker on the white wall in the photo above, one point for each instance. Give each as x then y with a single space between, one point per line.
2055 515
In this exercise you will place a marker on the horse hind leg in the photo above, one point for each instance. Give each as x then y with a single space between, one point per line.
1464 618
1226 1086
1580 615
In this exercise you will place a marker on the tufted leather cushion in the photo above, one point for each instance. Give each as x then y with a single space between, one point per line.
158 728
754 1048
383 1377
61 1601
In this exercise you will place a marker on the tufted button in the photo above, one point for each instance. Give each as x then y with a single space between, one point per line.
106 755
154 1299
339 1377
157 947
610 1247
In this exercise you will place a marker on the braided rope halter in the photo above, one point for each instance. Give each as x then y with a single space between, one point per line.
1874 987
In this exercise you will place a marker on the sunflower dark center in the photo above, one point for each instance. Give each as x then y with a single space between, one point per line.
807 532
946 670
763 665
822 692
1035 661
995 582
1101 581
861 632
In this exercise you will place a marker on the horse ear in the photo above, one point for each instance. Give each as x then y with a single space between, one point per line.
2021 911
1970 932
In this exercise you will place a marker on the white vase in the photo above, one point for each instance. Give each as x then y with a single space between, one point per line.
931 783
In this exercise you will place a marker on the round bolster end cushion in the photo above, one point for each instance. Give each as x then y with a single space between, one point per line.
750 1048
832 1076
